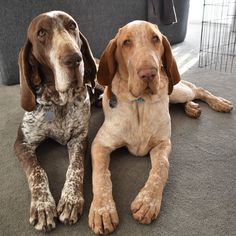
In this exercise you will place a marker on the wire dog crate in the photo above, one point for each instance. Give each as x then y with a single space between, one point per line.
218 35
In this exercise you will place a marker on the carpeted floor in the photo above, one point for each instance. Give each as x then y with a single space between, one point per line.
200 195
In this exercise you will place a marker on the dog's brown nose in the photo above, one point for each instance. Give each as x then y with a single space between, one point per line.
72 60
148 74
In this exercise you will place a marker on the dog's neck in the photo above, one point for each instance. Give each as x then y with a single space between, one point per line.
47 94
121 91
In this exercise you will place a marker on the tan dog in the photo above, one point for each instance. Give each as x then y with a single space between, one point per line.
139 71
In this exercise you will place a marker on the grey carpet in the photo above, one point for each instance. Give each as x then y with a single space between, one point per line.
200 195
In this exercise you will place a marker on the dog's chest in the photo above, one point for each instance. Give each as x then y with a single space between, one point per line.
141 125
148 126
69 122
58 123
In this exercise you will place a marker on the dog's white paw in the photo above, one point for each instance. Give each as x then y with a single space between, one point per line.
220 104
192 109
43 213
146 206
103 217
70 207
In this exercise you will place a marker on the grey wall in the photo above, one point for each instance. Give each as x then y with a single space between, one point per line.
98 20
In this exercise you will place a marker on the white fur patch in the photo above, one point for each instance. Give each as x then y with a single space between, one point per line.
182 93
61 77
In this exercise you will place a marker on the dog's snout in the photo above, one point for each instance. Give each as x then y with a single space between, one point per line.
147 74
72 60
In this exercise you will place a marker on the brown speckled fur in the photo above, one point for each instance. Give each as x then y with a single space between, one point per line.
65 99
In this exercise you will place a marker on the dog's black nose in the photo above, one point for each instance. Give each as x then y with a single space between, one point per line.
72 60
147 74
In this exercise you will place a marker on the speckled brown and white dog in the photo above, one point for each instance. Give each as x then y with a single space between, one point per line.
140 73
55 64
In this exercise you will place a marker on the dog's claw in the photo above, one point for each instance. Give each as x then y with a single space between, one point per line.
49 228
34 222
42 215
70 211
66 221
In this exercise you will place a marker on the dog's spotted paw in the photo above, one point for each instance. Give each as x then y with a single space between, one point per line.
70 207
146 206
103 217
192 109
43 213
221 104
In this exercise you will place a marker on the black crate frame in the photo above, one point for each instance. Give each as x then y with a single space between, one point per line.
218 35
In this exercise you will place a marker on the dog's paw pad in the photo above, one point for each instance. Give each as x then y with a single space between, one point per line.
70 209
103 218
192 109
145 208
221 105
42 215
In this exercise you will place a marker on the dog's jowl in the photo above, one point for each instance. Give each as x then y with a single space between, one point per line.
55 63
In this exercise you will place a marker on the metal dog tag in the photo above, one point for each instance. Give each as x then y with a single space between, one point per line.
113 101
49 115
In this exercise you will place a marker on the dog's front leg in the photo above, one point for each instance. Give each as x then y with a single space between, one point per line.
147 204
42 208
103 217
70 206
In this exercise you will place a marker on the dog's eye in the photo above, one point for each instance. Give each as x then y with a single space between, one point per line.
155 39
127 42
72 25
42 33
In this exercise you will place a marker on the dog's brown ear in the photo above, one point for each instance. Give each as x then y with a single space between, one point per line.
29 77
90 68
170 65
108 64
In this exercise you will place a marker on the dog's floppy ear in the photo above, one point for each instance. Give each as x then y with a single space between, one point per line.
90 68
170 65
108 64
29 77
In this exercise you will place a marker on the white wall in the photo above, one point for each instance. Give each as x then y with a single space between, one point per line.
195 11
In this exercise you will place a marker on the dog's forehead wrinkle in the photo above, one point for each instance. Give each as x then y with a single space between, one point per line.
139 31
138 25
58 17
41 22
62 36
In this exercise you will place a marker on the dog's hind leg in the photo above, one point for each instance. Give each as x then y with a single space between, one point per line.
185 92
